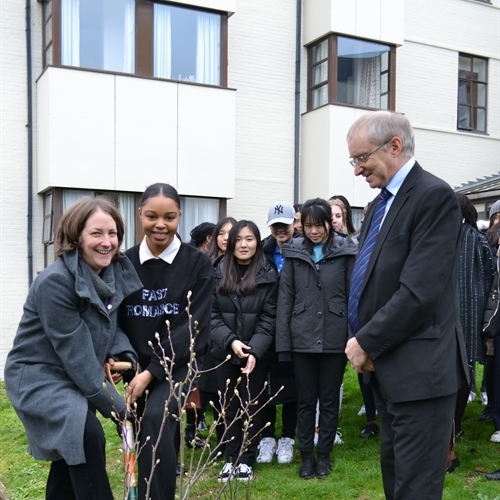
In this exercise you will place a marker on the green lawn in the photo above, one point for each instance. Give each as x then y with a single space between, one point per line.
356 473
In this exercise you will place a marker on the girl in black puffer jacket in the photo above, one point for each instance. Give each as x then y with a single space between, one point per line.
311 327
243 326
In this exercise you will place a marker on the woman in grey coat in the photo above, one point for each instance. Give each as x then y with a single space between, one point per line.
54 373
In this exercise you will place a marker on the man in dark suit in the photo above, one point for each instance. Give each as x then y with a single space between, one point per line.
402 306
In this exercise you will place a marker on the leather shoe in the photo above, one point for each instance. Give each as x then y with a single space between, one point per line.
454 464
307 467
370 430
324 467
192 439
486 416
493 475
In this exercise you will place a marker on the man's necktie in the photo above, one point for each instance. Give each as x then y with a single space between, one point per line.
358 274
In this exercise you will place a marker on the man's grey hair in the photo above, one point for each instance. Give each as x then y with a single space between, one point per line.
382 126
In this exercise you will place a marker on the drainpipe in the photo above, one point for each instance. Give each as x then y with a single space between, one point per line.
29 126
298 48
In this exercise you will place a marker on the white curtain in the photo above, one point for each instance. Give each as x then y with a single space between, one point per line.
162 41
72 195
194 212
129 37
126 203
369 82
70 32
208 49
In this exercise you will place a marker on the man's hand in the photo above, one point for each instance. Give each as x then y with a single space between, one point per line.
358 358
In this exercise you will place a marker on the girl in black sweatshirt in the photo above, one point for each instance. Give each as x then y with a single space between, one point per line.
168 270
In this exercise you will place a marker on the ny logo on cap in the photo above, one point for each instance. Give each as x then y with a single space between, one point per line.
278 209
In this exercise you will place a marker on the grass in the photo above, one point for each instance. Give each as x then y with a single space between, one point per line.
355 476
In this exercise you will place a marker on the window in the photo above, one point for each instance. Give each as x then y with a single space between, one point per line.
48 227
351 71
56 201
143 37
98 34
186 44
47 32
472 91
195 211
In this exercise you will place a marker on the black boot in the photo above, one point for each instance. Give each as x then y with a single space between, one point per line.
307 467
324 466
191 439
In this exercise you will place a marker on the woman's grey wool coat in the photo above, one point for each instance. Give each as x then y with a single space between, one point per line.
54 372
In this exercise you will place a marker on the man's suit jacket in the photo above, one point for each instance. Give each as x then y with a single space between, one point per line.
408 309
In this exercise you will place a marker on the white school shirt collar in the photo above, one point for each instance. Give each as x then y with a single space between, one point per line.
168 255
396 182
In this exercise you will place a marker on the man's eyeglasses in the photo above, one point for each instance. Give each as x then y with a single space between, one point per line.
359 161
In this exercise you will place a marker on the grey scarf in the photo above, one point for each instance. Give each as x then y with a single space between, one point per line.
104 282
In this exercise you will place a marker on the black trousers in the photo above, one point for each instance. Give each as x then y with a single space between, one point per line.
368 399
163 480
319 376
88 481
414 445
234 435
288 420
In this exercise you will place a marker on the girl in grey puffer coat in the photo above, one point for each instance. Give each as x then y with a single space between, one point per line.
311 327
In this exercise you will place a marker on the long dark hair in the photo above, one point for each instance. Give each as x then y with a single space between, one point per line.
492 234
348 219
317 211
230 276
213 250
469 212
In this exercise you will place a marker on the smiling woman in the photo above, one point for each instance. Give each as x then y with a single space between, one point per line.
53 373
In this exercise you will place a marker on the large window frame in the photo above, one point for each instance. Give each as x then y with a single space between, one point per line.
144 40
329 86
472 95
57 200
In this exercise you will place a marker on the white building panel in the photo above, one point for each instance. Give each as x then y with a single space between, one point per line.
80 132
381 20
262 69
228 6
326 170
456 157
102 131
427 85
146 133
205 117
462 25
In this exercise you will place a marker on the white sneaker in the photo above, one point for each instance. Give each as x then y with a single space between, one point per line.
244 472
495 437
316 436
285 450
338 438
472 397
267 448
484 398
362 411
227 473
